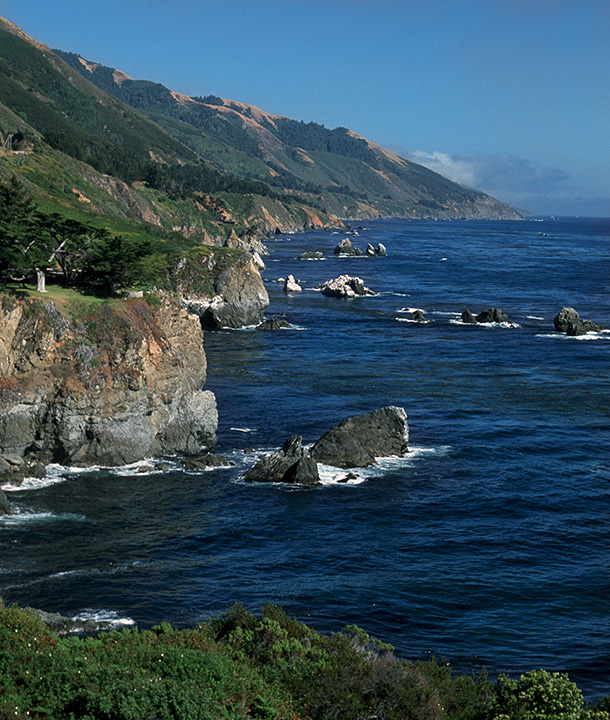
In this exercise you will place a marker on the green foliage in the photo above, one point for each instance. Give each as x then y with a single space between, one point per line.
199 269
338 170
541 695
239 666
30 240
17 213
313 136
112 262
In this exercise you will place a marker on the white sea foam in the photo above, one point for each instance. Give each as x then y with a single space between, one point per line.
144 467
410 310
31 483
330 475
243 430
243 328
22 516
59 473
108 617
505 325
592 335
110 569
534 317
54 474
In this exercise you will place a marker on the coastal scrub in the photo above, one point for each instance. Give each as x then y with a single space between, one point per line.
241 666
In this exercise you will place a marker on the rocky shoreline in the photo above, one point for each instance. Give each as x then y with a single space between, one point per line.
100 385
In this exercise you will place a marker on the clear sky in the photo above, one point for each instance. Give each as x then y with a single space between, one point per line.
508 96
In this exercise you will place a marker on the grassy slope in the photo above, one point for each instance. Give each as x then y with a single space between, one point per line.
341 168
93 136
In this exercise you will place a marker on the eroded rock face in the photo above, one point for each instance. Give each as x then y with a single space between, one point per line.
311 255
468 317
379 251
291 285
274 323
346 247
491 315
240 298
290 464
118 384
5 508
568 321
345 286
418 316
357 441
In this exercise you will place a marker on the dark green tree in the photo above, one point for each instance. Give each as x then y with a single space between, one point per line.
64 242
17 223
112 262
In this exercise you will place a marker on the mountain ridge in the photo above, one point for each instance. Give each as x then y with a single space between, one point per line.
188 163
272 152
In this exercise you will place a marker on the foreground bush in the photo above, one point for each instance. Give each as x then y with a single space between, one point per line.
240 666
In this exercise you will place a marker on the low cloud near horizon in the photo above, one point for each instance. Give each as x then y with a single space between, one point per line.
514 180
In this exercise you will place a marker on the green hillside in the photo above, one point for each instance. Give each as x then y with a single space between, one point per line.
348 175
90 158
172 172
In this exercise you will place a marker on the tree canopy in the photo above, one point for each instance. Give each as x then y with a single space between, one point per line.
35 242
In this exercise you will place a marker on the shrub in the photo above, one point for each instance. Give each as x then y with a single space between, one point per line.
239 667
541 695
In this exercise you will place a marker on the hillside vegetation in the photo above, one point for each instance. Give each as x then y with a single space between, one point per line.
138 158
350 176
82 153
240 666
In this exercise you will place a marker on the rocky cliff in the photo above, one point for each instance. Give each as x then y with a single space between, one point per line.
100 383
225 289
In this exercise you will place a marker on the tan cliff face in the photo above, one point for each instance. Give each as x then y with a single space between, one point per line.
102 384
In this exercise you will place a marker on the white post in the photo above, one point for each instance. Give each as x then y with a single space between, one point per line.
41 280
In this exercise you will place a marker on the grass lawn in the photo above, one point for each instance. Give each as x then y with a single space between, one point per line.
57 293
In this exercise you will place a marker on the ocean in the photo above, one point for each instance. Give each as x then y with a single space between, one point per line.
487 545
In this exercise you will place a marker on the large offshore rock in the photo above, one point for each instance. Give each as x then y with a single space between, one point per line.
346 247
492 314
344 286
291 285
291 464
273 467
105 385
303 472
359 440
274 323
379 251
568 321
240 298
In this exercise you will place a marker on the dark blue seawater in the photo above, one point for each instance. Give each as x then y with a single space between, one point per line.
488 545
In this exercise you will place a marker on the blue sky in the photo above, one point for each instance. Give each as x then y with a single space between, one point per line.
509 96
